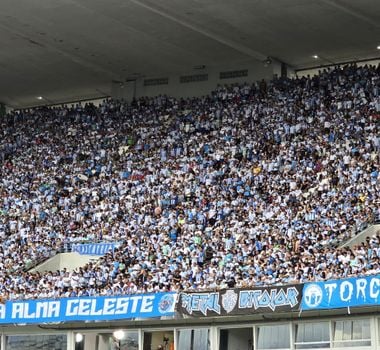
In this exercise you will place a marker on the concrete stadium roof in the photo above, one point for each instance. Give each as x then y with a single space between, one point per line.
72 49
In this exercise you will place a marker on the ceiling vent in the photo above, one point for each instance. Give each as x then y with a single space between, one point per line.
233 74
193 78
156 81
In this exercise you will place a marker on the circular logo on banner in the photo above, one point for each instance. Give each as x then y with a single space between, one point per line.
166 303
313 295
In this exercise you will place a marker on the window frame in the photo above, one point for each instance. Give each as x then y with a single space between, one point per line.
5 336
336 344
231 327
290 330
329 341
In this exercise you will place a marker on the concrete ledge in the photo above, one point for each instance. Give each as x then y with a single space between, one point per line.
361 236
70 261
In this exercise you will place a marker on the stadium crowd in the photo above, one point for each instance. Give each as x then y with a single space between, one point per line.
252 185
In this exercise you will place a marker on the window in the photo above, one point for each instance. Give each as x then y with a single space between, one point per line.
193 78
40 342
120 339
273 337
312 335
236 338
350 333
129 341
156 339
233 74
194 339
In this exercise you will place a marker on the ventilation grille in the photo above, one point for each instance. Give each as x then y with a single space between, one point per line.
193 78
157 81
233 74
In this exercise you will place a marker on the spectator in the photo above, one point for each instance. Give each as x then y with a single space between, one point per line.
241 188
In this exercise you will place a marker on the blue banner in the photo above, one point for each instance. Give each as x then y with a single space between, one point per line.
88 309
350 292
93 248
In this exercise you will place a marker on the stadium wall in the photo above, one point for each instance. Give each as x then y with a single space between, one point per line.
359 331
194 83
69 261
317 70
333 314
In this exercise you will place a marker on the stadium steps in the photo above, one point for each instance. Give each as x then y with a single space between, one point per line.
70 261
361 236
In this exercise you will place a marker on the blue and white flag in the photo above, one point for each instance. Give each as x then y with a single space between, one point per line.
350 292
88 308
93 248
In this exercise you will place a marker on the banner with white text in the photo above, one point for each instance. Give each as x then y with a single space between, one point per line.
240 301
334 294
94 248
88 309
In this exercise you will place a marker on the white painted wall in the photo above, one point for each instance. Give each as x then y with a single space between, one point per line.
256 72
70 261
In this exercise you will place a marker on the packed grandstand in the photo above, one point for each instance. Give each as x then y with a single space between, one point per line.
253 185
